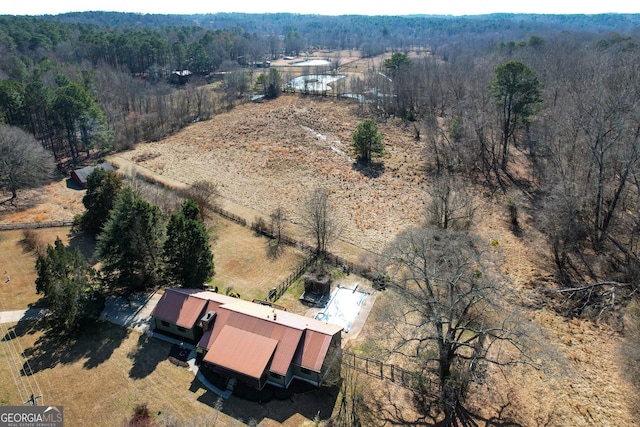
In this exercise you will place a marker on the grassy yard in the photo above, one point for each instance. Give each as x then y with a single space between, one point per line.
100 375
103 372
17 266
242 261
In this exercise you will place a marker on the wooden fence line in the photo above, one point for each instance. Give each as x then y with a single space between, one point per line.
278 291
380 370
32 225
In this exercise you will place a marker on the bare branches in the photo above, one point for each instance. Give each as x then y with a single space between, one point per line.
320 221
596 298
23 161
451 325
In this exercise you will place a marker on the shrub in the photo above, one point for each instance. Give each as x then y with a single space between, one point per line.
141 416
33 241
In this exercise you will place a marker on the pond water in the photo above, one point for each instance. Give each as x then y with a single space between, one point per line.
343 307
312 63
314 82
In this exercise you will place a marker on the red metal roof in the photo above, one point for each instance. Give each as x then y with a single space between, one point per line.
241 351
314 349
286 337
300 340
179 308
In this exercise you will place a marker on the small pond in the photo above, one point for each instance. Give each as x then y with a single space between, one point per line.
314 82
343 307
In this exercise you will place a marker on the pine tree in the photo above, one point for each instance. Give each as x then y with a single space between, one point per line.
517 93
130 244
103 189
366 140
66 279
187 252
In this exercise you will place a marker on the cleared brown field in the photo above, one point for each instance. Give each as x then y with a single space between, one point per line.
274 153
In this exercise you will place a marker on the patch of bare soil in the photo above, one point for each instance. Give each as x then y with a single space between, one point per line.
275 153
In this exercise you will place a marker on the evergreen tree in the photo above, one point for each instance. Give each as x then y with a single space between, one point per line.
130 243
187 253
103 189
517 93
66 279
397 63
367 140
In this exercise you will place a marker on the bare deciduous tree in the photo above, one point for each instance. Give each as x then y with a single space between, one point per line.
278 223
451 207
319 220
450 324
205 194
23 161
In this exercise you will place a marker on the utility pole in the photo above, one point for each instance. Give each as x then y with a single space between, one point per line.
33 400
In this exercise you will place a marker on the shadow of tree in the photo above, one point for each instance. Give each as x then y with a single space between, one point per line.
94 342
86 244
274 249
73 184
369 169
22 328
398 406
147 355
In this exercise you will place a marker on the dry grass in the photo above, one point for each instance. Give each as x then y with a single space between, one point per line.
242 261
17 285
101 377
60 200
273 153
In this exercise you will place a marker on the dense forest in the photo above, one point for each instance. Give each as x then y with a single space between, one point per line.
96 79
544 110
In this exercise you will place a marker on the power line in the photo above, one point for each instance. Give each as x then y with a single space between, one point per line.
13 366
23 376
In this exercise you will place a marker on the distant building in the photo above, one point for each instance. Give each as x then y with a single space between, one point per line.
80 175
180 77
253 343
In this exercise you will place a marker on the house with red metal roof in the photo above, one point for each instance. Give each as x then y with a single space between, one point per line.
253 343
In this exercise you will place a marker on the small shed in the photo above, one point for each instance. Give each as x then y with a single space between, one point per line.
80 175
